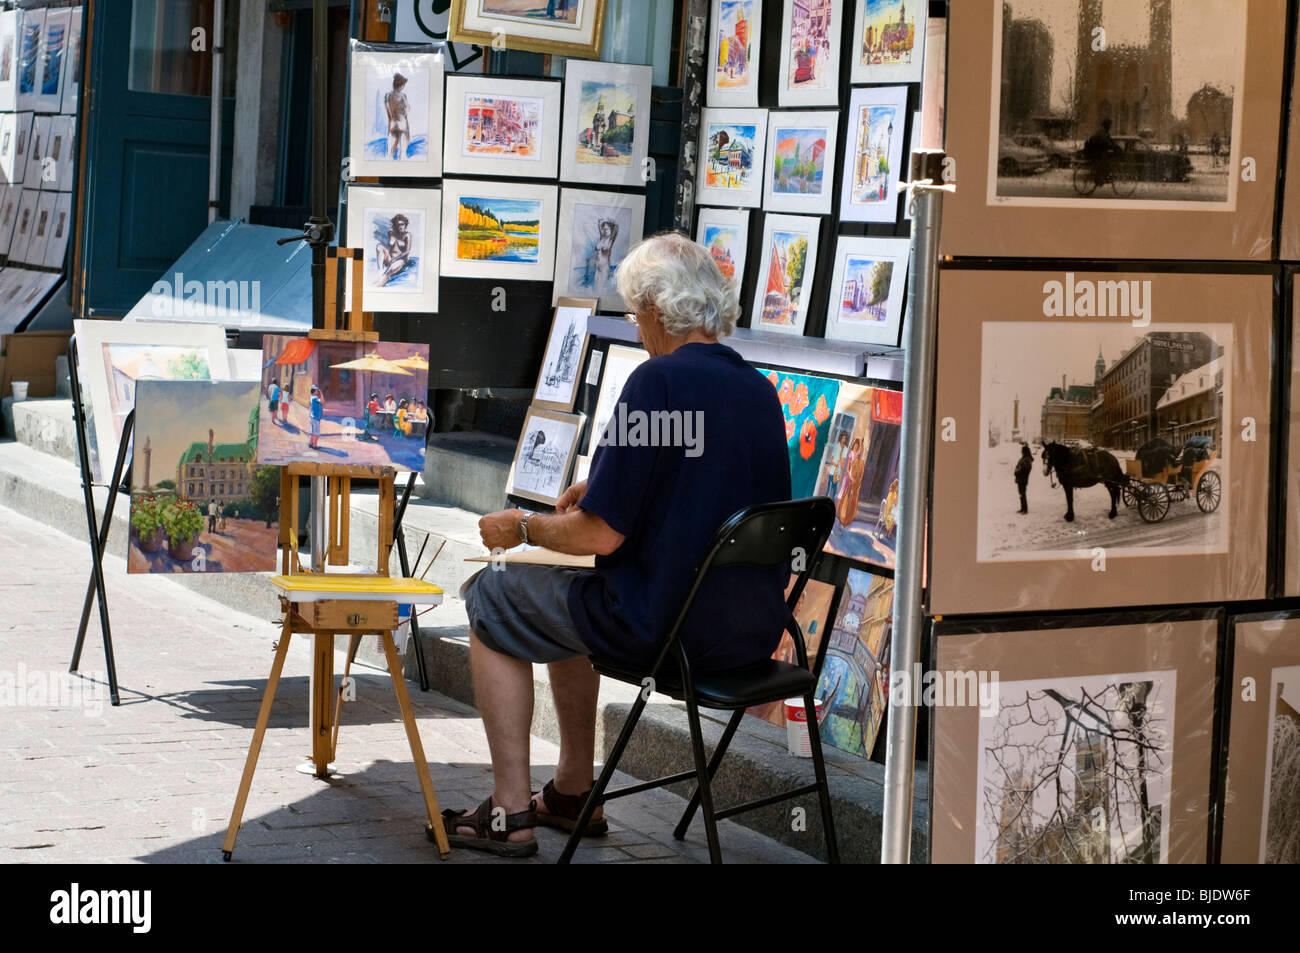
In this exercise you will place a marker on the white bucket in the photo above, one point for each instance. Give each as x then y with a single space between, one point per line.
796 726
20 390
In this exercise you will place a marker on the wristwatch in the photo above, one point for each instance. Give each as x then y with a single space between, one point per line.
523 529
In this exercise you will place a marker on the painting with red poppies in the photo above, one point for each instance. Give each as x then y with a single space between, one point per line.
807 402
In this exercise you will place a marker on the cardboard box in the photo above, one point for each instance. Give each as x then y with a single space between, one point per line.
29 356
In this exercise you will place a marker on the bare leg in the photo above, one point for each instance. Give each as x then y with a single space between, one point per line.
575 685
503 692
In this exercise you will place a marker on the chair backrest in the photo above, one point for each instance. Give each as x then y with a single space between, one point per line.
764 536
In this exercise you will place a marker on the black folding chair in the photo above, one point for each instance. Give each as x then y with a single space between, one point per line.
762 536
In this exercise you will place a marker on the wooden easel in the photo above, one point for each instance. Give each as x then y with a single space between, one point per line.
366 605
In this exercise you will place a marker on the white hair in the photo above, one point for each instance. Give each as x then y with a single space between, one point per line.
681 282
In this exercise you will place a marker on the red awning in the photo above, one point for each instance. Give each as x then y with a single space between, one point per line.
297 352
889 406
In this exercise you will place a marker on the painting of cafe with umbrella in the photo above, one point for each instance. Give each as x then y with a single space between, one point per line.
344 402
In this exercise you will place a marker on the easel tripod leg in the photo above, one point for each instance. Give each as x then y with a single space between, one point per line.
255 748
434 829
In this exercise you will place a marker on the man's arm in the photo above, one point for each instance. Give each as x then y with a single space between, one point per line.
571 530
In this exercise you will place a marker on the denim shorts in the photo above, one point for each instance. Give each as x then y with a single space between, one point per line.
523 611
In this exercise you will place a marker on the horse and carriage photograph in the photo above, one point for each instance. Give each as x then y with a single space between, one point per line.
1108 437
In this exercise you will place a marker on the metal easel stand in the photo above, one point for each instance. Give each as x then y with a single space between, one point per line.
98 531
400 535
927 191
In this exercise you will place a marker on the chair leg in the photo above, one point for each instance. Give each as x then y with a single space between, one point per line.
606 775
702 772
679 831
823 789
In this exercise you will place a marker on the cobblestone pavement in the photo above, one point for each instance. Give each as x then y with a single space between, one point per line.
154 779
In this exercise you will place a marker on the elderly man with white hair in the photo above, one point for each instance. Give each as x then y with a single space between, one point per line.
647 512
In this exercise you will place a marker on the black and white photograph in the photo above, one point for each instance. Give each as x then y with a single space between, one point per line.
1103 435
1280 831
543 457
1119 104
1077 771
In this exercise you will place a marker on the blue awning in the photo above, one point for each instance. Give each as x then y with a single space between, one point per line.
237 276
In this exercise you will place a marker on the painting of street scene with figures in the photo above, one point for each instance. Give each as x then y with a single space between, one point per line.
344 402
200 502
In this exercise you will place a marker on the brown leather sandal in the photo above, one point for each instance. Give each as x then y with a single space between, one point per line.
561 811
488 838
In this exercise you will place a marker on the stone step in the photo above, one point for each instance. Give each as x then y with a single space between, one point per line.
45 424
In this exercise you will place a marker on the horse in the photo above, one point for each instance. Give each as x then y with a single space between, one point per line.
1083 468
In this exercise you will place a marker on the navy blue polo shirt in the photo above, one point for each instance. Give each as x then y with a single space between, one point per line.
697 435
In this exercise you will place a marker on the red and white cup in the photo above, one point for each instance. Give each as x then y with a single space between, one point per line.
796 726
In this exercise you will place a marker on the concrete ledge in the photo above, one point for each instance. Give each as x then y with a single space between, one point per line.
45 424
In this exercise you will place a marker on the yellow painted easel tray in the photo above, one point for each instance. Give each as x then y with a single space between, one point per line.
315 587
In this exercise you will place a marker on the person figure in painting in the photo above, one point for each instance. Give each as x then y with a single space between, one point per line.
398 108
273 393
394 250
400 421
887 522
316 411
835 457
603 252
648 514
212 516
855 465
390 405
1023 468
1097 150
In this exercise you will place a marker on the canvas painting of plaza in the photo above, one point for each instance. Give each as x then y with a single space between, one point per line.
344 402
200 502
1133 104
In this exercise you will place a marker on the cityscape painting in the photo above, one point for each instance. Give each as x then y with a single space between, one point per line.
798 179
200 501
870 190
888 47
812 612
725 233
501 127
867 290
732 150
789 261
733 52
606 128
810 53
855 670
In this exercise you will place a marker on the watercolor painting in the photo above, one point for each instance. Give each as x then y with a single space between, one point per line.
810 53
396 114
200 502
606 123
554 12
788 263
812 612
726 244
799 161
505 126
887 36
395 253
498 229
731 156
855 671
347 402
807 402
876 128
859 472
601 227
736 44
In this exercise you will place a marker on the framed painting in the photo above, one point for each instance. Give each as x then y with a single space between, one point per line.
734 41
544 455
399 231
1182 165
395 111
9 202
725 233
598 229
888 41
31 35
859 472
502 126
1140 405
113 355
49 84
812 612
23 225
565 27
63 149
872 163
618 366
866 302
786 267
800 168
41 228
855 666
732 145
1079 741
15 135
72 66
200 501
501 230
60 229
1291 535
606 123
558 379
807 403
8 60
1261 801
810 53
35 170
346 402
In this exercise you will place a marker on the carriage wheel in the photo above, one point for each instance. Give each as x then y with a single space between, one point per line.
1209 490
1153 502
1128 495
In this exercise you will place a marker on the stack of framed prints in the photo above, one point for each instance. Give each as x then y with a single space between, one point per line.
1143 403
1079 741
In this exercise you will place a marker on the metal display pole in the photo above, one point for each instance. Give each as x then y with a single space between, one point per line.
913 496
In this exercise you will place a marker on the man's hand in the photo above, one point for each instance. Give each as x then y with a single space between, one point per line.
500 530
569 499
